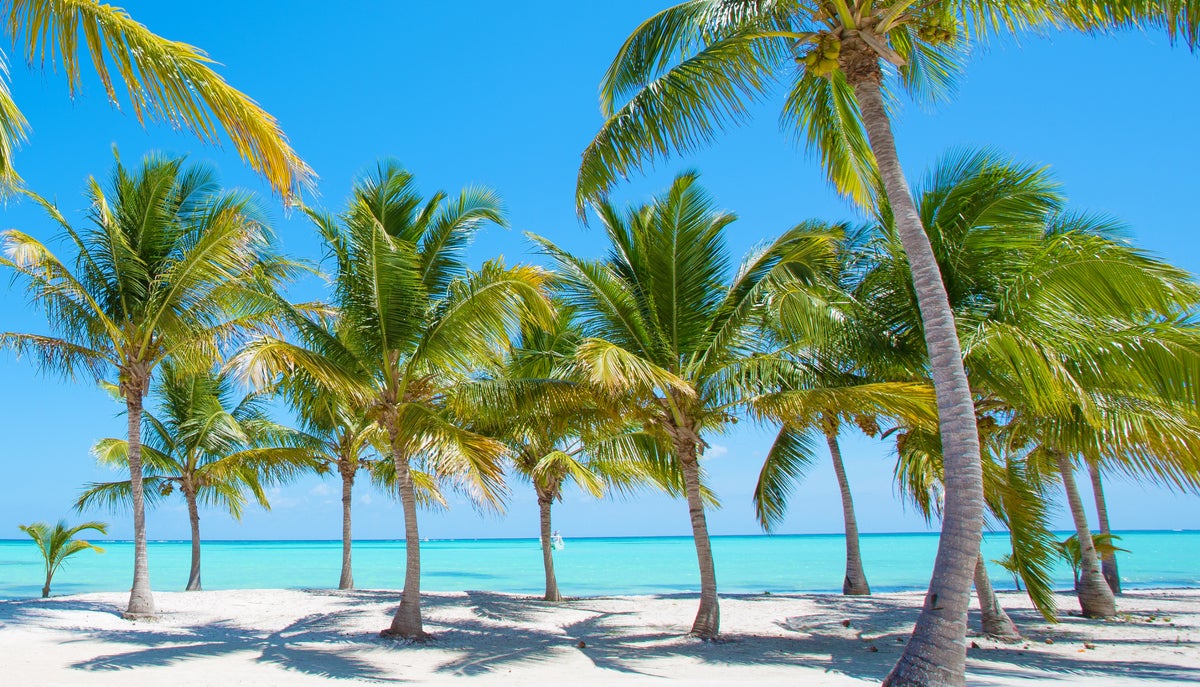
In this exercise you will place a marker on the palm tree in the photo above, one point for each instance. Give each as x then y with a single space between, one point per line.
1070 335
1016 499
163 80
669 331
412 324
687 71
1072 551
995 620
558 428
690 70
1108 559
215 448
170 266
839 374
343 437
58 543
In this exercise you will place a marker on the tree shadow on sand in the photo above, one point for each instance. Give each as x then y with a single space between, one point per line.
499 637
857 637
319 644
25 612
488 633
313 645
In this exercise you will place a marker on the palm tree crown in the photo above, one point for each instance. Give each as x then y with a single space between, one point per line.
411 324
169 266
667 329
58 543
214 447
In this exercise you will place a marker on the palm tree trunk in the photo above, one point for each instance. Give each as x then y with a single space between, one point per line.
545 500
1095 598
406 624
994 619
189 494
936 654
708 618
347 472
141 600
1108 562
46 587
855 582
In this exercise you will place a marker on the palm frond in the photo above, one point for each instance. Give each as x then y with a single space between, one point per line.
163 79
790 456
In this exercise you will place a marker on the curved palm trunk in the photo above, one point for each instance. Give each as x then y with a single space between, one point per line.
994 619
545 500
1108 562
46 587
855 582
193 584
936 654
347 579
141 600
1095 598
407 621
708 618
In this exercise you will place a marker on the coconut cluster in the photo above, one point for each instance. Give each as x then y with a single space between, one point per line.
938 30
822 58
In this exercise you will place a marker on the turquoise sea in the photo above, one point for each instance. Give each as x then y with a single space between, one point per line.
646 565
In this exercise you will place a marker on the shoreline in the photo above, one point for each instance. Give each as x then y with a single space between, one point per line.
322 637
585 567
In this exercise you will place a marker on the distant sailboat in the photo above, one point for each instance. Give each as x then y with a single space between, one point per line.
556 541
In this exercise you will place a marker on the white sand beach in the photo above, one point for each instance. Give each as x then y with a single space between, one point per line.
320 637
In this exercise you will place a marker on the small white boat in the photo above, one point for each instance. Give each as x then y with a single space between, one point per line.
556 541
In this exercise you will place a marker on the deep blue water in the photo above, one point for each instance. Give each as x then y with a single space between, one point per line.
585 566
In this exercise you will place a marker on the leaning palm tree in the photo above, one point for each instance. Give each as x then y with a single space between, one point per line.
411 325
692 69
215 448
58 543
669 327
169 266
1017 501
1146 437
1108 559
1073 338
163 79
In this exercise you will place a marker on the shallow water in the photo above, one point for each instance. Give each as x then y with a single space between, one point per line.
585 566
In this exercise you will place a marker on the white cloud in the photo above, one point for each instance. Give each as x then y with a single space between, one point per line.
322 489
716 451
365 499
278 498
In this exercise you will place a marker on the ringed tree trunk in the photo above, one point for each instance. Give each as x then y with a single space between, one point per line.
141 599
545 498
708 618
994 620
406 624
1108 562
189 494
855 582
936 654
1095 598
347 472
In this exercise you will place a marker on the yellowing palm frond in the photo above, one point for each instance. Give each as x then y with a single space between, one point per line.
162 79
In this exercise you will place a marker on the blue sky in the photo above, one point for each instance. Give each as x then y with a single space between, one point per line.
504 94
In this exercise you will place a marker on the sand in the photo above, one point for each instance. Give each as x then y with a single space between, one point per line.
320 637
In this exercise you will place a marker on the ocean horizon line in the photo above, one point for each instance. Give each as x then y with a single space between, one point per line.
764 535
